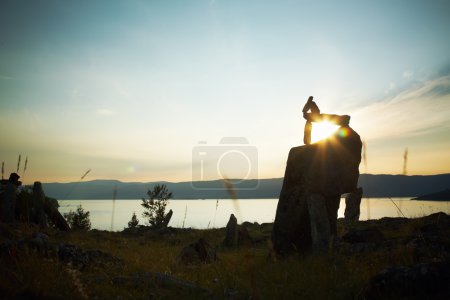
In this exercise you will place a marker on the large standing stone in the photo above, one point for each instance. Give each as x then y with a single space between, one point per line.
328 168
352 205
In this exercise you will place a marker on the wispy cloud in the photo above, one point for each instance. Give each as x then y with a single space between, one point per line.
419 110
4 77
104 112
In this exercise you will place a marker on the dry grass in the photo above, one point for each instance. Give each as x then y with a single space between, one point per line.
248 272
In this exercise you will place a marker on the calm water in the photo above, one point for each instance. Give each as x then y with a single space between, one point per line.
203 213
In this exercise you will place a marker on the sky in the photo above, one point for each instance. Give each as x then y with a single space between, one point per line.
128 89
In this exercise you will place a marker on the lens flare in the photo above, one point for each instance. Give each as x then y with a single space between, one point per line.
343 132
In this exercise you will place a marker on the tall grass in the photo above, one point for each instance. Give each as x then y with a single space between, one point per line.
405 161
113 206
233 196
18 163
215 213
185 215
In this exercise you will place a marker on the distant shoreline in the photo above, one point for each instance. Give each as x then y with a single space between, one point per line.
374 186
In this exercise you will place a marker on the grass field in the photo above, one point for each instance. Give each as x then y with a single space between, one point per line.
246 272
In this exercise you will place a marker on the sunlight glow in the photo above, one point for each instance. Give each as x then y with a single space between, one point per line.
322 130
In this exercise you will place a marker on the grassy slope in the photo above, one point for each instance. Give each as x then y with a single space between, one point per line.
248 270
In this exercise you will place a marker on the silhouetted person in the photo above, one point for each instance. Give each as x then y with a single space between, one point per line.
8 190
314 114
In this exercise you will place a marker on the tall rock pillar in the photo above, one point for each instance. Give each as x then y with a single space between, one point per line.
324 170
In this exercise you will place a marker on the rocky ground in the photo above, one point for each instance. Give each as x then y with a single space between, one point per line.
390 258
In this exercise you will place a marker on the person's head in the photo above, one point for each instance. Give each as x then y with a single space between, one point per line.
14 177
310 98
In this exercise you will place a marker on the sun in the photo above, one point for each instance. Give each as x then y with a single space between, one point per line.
322 130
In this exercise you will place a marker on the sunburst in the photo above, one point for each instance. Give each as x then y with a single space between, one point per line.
322 130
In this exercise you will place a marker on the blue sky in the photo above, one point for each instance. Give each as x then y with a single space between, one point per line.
128 88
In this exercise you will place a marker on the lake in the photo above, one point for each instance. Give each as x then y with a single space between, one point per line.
202 214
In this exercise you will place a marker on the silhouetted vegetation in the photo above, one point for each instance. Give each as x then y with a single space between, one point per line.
134 222
155 206
78 219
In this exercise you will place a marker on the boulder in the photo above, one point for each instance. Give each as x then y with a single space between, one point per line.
328 168
78 257
196 253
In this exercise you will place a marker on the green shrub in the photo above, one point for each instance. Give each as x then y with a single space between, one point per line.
79 219
134 222
155 206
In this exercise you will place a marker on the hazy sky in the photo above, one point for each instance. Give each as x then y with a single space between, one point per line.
128 88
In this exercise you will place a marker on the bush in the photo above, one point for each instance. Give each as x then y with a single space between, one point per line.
134 222
155 206
79 219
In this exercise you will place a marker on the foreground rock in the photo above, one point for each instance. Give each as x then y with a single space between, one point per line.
421 281
324 170
75 255
197 253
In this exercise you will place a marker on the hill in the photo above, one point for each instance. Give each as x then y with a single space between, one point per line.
374 186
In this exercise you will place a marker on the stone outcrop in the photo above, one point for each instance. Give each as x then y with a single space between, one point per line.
326 170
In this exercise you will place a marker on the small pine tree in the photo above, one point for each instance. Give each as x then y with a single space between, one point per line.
79 219
134 222
155 206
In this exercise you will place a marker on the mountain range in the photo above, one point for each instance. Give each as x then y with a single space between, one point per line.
373 185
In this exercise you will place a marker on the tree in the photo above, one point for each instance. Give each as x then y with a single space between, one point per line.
133 223
155 206
78 219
